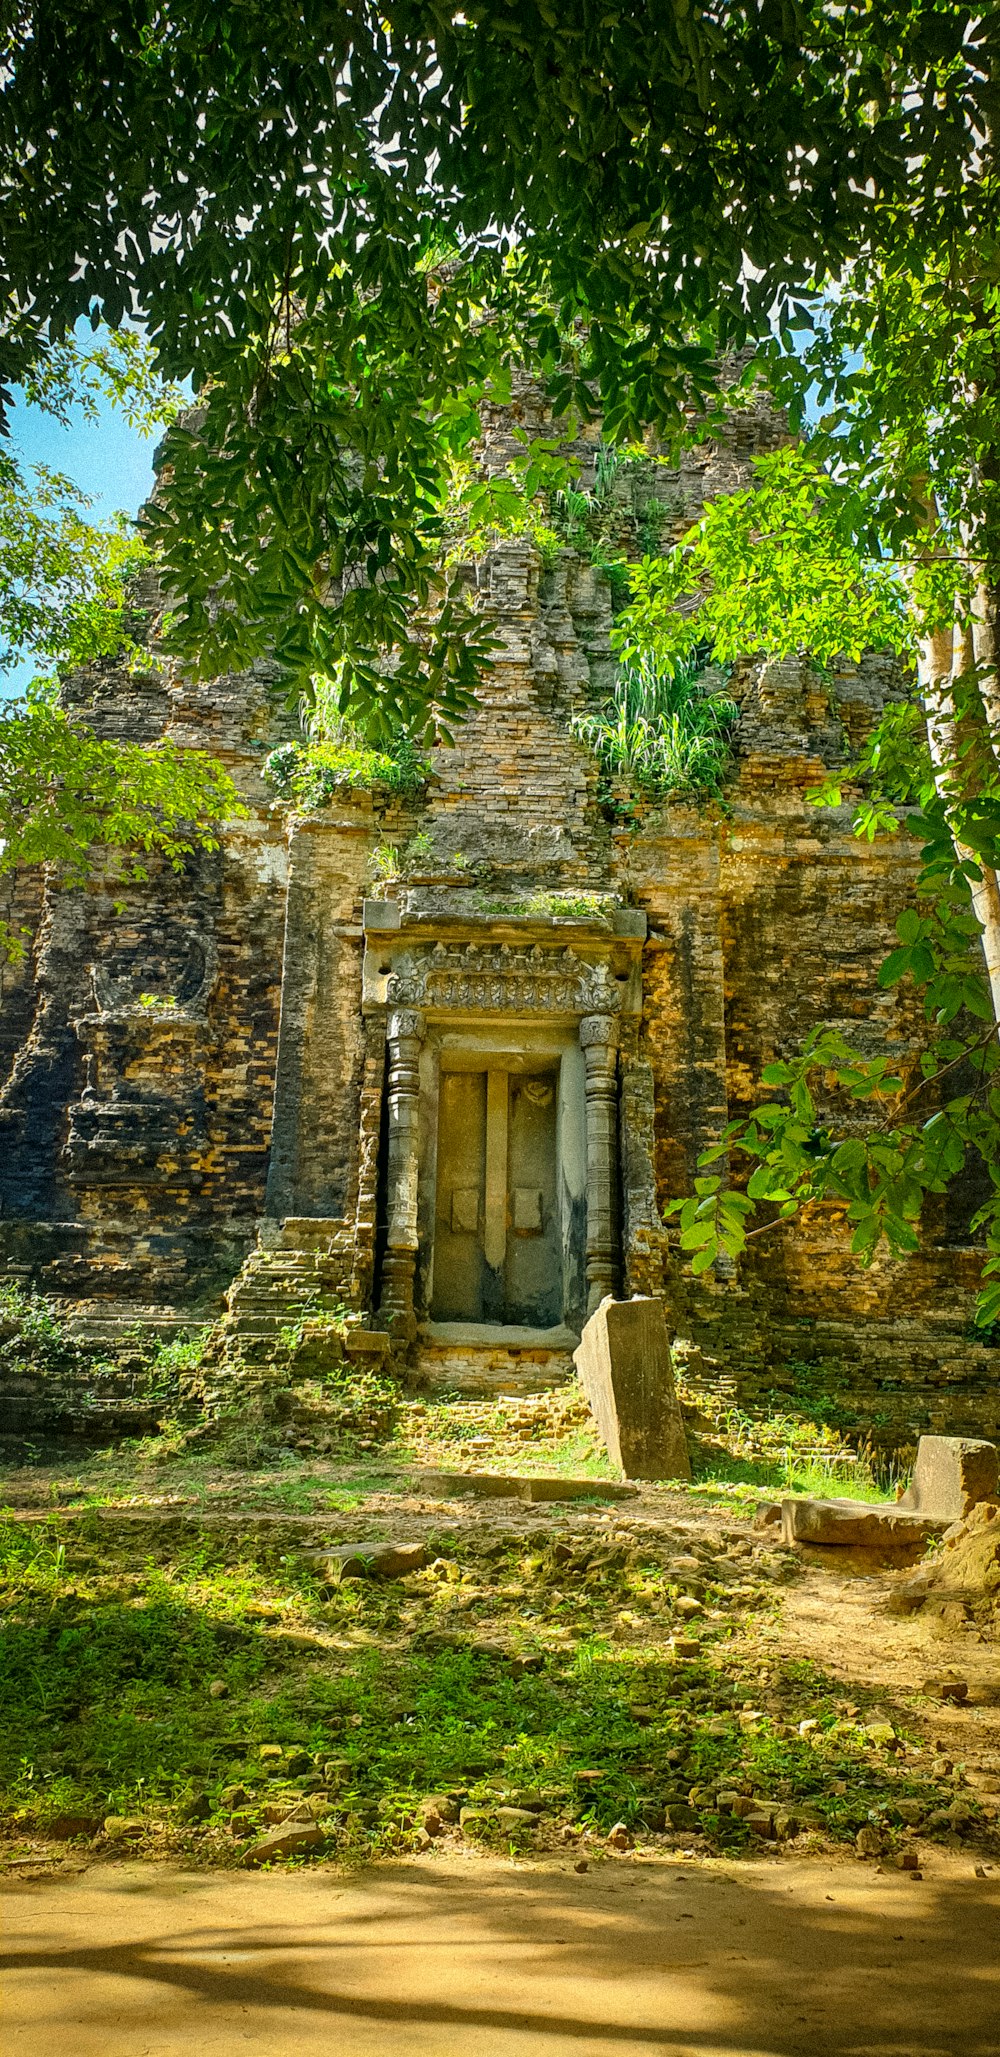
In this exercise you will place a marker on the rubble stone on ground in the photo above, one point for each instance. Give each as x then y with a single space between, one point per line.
966 1571
293 1839
368 1560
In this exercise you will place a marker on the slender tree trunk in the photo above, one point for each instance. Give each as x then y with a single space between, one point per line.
966 654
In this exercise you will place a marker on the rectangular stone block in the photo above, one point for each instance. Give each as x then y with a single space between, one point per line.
626 1371
857 1525
367 1342
535 1490
951 1475
380 916
491 1485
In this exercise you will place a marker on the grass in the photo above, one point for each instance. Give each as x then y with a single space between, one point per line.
532 1664
552 1432
510 1668
666 732
781 1454
247 1464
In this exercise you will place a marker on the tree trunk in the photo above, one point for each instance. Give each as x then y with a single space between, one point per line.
957 741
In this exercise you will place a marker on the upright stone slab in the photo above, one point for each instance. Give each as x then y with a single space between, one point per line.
951 1475
624 1364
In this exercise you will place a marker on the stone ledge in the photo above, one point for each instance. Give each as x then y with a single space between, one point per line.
490 1485
486 1335
857 1524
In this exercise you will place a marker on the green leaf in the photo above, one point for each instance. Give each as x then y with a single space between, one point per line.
895 966
705 1259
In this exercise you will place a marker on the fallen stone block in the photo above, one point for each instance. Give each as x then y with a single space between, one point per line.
485 1485
491 1485
684 1646
516 1817
627 1374
857 1524
368 1560
951 1475
909 1595
620 1837
760 1822
293 1839
534 1490
947 1686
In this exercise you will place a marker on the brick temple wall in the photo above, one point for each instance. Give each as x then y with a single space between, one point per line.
764 922
174 1074
135 1118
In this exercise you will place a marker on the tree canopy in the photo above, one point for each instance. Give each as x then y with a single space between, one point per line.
342 222
68 798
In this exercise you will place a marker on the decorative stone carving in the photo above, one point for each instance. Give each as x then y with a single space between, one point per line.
599 1039
598 1028
405 1023
406 1029
497 978
173 976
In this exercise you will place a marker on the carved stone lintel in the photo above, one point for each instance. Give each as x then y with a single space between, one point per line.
496 978
598 1039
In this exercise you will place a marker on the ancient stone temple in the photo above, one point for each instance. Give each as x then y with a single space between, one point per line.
445 1060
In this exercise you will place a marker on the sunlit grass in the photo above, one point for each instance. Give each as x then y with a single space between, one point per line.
378 1692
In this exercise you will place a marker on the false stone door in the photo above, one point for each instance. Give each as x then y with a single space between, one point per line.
497 1250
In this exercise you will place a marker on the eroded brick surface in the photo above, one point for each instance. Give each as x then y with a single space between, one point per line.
175 1075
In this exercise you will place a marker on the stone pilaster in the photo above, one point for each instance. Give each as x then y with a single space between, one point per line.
406 1033
369 1127
599 1041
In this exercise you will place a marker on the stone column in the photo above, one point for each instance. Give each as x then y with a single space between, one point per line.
599 1040
406 1033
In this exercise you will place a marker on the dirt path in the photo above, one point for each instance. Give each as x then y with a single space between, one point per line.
473 1958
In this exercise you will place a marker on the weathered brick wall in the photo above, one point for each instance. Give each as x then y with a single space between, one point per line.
765 921
515 797
314 1161
142 1142
21 899
135 1122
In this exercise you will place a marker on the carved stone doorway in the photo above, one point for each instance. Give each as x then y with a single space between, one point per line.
499 1218
497 1254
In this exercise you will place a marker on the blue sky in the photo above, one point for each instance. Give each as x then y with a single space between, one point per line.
110 461
106 459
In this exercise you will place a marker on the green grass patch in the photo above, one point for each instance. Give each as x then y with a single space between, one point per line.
500 1669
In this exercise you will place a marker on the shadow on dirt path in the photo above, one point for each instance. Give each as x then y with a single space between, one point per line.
487 1959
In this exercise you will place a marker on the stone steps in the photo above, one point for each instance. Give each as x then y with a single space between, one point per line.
299 1272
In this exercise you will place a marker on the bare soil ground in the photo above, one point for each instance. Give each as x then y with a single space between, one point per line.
462 1956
